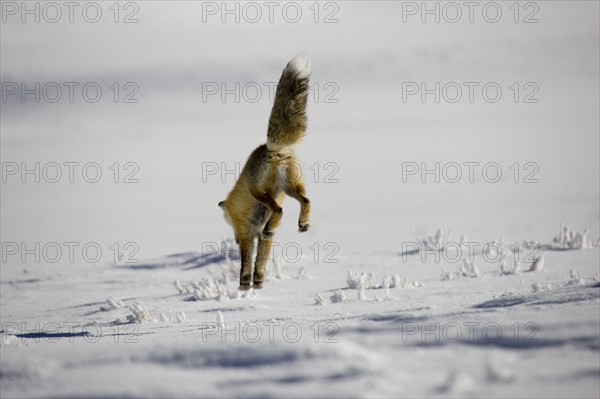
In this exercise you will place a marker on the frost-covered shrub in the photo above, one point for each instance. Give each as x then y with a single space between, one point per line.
410 284
537 287
365 281
385 284
362 282
469 269
570 239
361 295
180 317
386 288
356 281
574 278
302 273
394 281
319 300
370 282
537 264
505 269
139 314
434 242
210 288
230 271
220 320
338 296
113 303
446 275
397 282
182 289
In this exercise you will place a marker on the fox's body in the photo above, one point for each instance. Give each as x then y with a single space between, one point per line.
253 207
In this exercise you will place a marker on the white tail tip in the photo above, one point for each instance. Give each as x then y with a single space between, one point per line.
301 64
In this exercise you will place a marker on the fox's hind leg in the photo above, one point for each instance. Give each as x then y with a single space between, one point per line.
275 217
246 248
262 257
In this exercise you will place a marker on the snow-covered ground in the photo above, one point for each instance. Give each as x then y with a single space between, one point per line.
126 287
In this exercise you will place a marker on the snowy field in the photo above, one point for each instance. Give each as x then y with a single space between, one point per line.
452 166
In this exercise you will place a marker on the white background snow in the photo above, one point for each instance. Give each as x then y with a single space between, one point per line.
345 312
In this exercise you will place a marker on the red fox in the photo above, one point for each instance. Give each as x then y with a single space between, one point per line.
253 207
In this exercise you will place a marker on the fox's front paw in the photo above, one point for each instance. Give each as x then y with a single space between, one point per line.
303 227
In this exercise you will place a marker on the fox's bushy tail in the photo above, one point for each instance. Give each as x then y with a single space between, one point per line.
287 123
